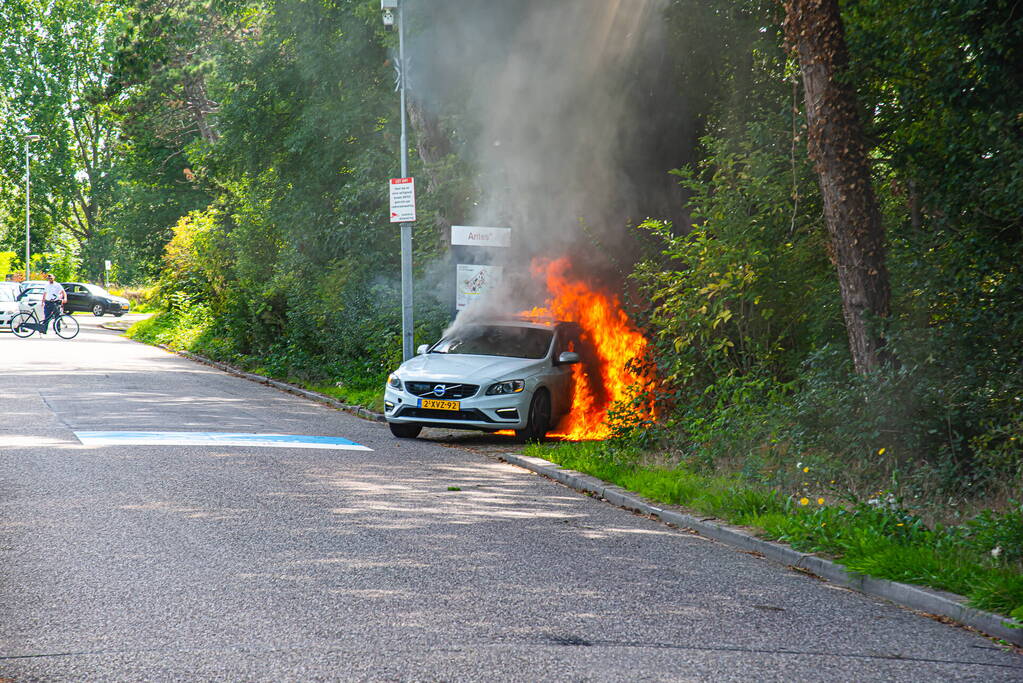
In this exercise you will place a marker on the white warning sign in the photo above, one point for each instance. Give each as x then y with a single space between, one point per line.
403 200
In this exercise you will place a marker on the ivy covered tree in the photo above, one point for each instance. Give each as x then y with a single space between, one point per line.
839 150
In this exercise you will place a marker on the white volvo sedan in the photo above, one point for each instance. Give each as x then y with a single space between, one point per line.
490 376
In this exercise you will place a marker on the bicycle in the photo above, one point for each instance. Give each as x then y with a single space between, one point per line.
26 323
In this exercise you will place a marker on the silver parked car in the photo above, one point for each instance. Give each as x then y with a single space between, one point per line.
8 304
31 296
490 376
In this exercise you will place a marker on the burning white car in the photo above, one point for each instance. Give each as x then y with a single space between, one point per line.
489 376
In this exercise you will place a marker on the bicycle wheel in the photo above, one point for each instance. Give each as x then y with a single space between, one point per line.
66 327
23 324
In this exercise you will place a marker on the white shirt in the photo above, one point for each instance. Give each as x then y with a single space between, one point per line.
53 292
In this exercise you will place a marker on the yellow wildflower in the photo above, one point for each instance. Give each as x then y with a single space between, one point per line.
804 501
820 501
881 452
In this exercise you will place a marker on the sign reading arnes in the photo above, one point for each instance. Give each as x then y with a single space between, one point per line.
471 236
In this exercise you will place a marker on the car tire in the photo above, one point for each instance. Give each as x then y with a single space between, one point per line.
97 310
539 421
405 430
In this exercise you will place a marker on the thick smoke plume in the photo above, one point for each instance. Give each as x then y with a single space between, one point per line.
567 110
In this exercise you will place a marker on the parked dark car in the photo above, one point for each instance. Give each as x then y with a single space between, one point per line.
94 299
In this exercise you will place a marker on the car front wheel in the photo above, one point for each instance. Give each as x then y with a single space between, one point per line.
97 310
539 418
405 431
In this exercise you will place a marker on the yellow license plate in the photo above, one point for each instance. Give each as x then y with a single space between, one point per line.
439 405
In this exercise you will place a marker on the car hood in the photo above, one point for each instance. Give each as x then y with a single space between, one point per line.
455 367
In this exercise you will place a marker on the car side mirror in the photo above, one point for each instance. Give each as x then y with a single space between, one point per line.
422 349
568 358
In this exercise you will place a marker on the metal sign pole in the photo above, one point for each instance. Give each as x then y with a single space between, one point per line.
406 228
28 230
29 138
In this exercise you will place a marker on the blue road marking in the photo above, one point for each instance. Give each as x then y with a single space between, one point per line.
92 438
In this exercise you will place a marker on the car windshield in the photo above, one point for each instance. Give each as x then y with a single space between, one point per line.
96 289
497 340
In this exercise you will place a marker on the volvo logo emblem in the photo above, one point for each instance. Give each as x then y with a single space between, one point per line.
439 390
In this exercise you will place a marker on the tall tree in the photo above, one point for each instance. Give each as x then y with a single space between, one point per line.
838 149
164 61
54 59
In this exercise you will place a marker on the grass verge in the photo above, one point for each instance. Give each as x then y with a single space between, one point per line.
981 559
186 332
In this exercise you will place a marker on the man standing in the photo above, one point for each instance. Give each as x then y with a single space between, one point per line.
54 298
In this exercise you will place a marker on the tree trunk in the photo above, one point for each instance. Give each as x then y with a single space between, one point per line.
837 147
201 107
433 145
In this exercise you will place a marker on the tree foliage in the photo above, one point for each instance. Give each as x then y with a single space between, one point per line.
292 258
53 61
934 83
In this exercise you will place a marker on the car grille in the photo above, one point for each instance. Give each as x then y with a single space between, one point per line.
454 415
451 391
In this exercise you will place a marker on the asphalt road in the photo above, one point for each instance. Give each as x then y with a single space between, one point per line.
412 561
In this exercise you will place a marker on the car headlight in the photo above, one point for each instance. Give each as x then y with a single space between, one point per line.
394 382
512 386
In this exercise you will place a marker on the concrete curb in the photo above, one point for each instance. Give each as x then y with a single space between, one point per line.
358 411
927 600
930 601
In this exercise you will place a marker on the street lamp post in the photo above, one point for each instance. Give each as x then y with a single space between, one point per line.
28 220
393 13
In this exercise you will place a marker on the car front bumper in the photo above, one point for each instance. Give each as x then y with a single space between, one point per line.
487 413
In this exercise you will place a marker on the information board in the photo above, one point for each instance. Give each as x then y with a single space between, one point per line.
473 281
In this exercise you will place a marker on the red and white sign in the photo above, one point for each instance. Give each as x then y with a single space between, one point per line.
403 200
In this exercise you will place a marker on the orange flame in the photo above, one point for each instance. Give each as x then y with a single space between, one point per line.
599 382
